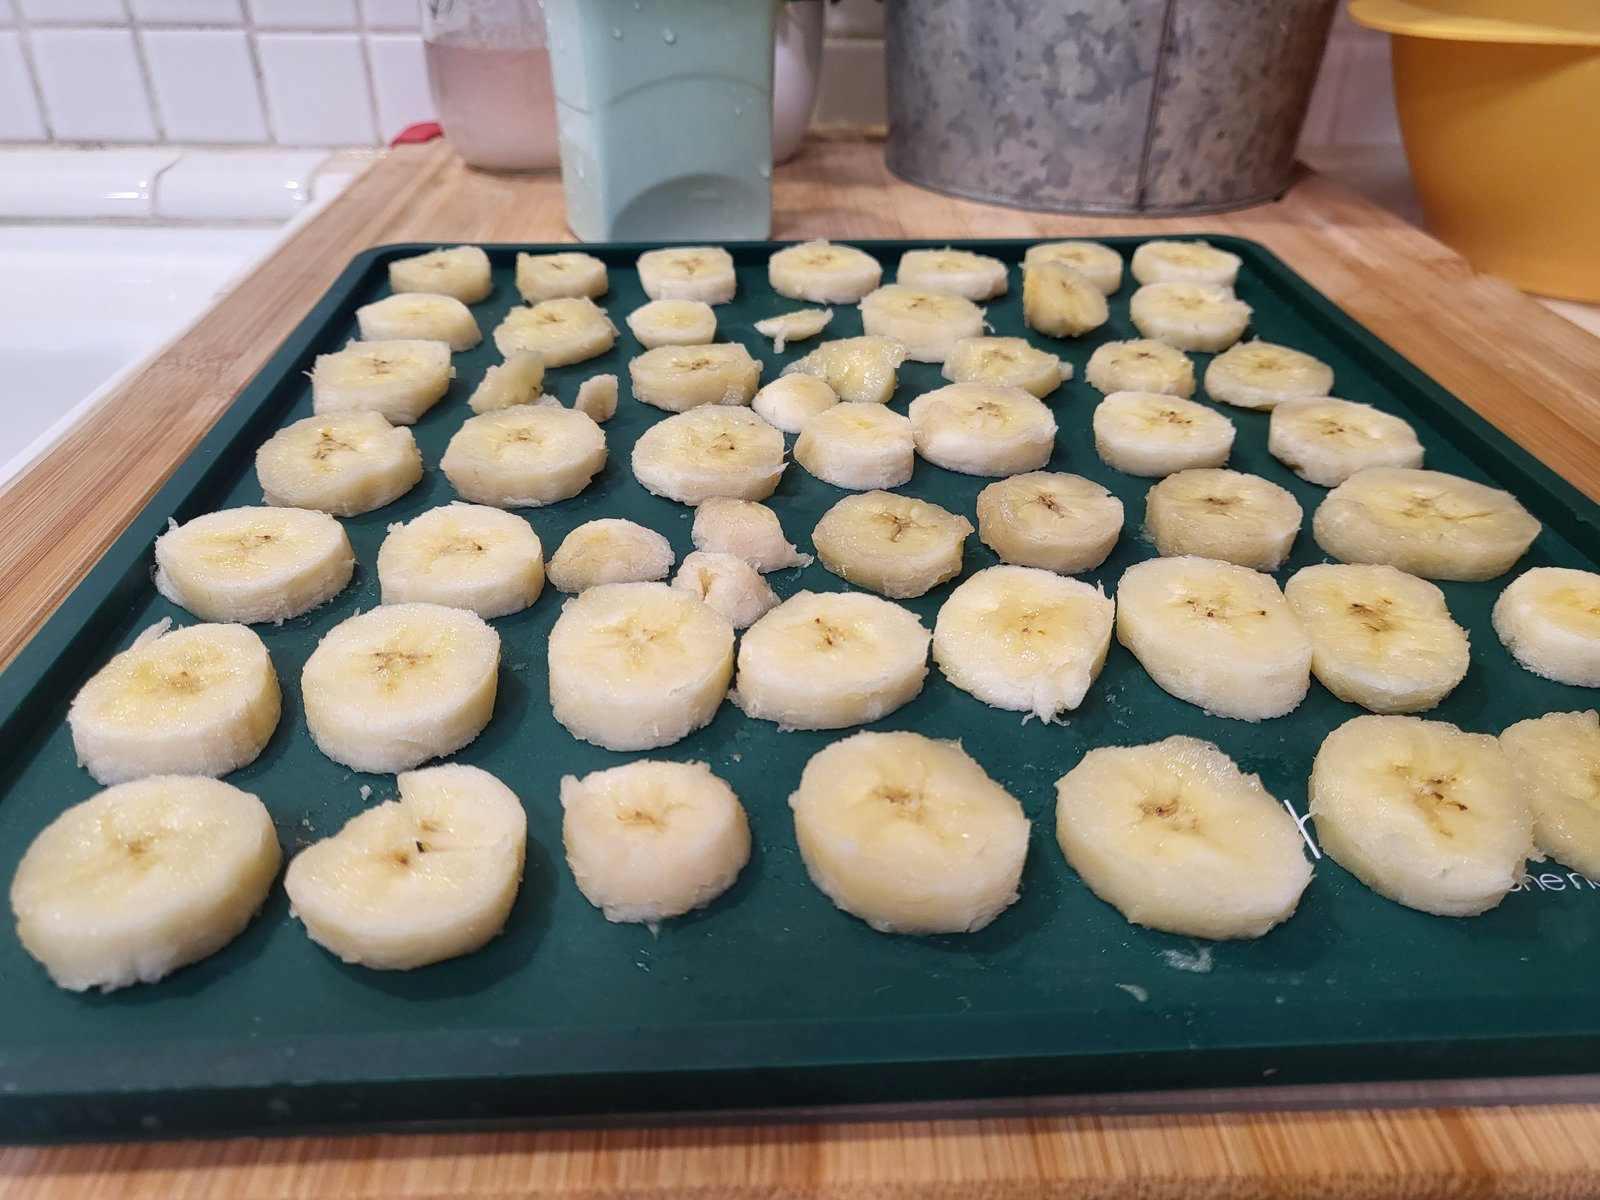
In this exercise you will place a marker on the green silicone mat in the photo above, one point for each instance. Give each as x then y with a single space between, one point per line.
771 997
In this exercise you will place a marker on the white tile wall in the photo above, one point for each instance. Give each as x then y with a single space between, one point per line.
303 14
188 12
399 82
102 12
317 89
392 14
205 85
93 85
20 119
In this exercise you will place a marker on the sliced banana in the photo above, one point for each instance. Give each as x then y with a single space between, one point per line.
569 274
1549 618
1556 757
862 370
729 585
254 564
1005 362
909 834
1189 316
1420 812
706 452
795 326
857 446
461 272
463 556
389 689
1175 837
673 323
688 273
518 380
960 272
1058 301
609 551
1140 365
926 323
825 660
983 429
202 700
401 380
1229 515
1426 522
789 401
823 272
1099 264
651 840
419 316
634 666
678 378
1263 375
1220 636
429 876
597 398
896 545
1325 441
142 879
1142 433
1058 522
747 530
1185 262
341 463
563 331
524 457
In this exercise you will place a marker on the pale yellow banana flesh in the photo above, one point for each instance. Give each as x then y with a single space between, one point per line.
562 331
862 370
461 272
694 456
678 378
794 326
1262 375
1557 759
747 530
926 323
790 401
609 550
1099 264
517 380
688 273
1185 262
1189 316
1229 515
858 446
983 429
1140 365
730 585
959 272
463 556
524 457
1057 301
1054 521
422 316
1549 618
1143 433
1005 362
342 463
1325 441
823 272
895 545
569 274
673 323
399 379
597 398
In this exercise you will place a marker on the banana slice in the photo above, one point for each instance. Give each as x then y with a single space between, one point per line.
909 834
747 530
1005 362
461 272
1058 522
401 380
1140 365
254 564
1325 441
823 272
678 378
1059 302
597 398
959 272
1099 264
389 689
610 551
570 274
708 452
688 273
463 556
825 660
857 446
202 700
518 380
1435 525
652 840
926 323
419 316
796 326
1556 758
673 323
1220 636
862 370
342 463
1549 618
417 880
563 331
1175 837
983 429
1024 640
1379 638
524 457
1185 262
1143 433
1189 316
1263 375
142 879
790 401
1420 812
729 585
895 545
1228 515
634 666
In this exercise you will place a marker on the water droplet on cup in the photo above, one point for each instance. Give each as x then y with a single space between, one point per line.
668 36
616 33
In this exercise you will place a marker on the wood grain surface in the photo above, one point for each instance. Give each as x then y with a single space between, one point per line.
1527 370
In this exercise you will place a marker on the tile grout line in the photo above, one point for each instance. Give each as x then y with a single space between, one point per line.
371 78
25 41
157 117
247 23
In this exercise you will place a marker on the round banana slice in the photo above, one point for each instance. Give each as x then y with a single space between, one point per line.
634 666
747 530
524 457
518 380
892 544
1005 362
1557 759
1058 522
389 689
401 380
909 834
1420 812
861 370
708 452
1024 640
926 323
1140 365
570 274
688 273
1175 837
1228 515
597 398
678 378
652 840
1220 636
609 551
463 556
1189 316
857 446
825 660
1325 441
795 326
823 272
567 330
417 880
1143 433
673 323
1099 264
1379 638
1262 375
1185 262
983 429
202 700
959 272
254 564
789 401
142 879
729 585
341 463
1426 522
461 272
1059 302
420 316
1549 618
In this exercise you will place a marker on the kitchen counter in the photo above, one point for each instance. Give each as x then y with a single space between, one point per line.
1529 371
